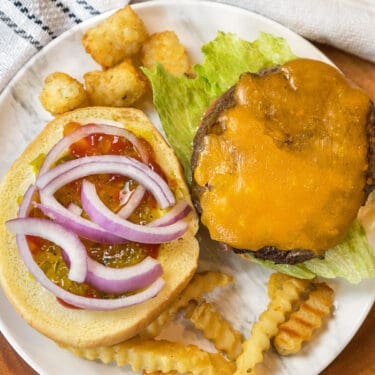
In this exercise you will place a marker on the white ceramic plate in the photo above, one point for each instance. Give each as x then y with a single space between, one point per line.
22 117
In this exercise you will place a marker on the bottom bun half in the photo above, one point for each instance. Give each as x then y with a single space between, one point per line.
37 306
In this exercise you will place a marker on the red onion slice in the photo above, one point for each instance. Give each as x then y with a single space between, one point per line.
50 175
82 302
25 205
122 165
84 131
132 202
178 212
122 280
83 227
103 216
45 178
74 209
57 234
79 225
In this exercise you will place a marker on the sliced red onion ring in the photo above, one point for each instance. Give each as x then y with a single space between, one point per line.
86 228
103 216
45 178
84 131
82 302
57 234
178 212
109 164
122 280
79 225
132 202
50 175
83 227
74 209
25 205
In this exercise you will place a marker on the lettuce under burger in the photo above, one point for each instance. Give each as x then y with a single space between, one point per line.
182 104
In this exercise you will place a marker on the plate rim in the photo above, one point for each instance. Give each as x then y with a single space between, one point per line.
148 4
151 4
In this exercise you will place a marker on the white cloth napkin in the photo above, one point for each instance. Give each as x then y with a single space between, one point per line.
28 25
346 24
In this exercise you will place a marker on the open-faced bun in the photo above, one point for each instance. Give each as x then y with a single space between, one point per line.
83 328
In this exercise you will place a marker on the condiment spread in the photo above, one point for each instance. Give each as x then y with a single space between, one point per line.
49 256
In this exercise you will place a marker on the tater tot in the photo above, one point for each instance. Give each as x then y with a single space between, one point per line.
118 37
120 86
62 93
166 49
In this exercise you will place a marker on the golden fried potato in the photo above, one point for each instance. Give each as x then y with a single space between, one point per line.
116 38
62 93
166 49
267 325
165 356
200 283
275 283
120 86
215 328
304 321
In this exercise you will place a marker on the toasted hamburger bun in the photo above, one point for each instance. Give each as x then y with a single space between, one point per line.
39 308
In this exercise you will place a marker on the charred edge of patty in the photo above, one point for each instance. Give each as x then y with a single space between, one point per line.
210 119
370 174
272 253
278 256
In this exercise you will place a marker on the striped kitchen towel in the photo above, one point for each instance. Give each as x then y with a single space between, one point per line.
27 25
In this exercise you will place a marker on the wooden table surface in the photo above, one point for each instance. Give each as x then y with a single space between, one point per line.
358 358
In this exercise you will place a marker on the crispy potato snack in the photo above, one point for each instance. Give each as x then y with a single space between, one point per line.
304 321
215 328
62 93
275 283
118 37
164 356
267 325
120 86
165 48
201 283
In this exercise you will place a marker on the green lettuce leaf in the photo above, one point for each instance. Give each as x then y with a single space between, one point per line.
353 260
181 103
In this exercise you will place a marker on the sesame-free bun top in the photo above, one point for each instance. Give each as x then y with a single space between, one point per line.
37 306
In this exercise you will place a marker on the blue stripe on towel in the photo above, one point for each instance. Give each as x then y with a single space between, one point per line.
19 31
34 18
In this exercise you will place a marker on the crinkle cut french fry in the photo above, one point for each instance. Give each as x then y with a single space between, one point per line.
304 321
159 373
165 356
215 328
201 283
275 283
267 325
